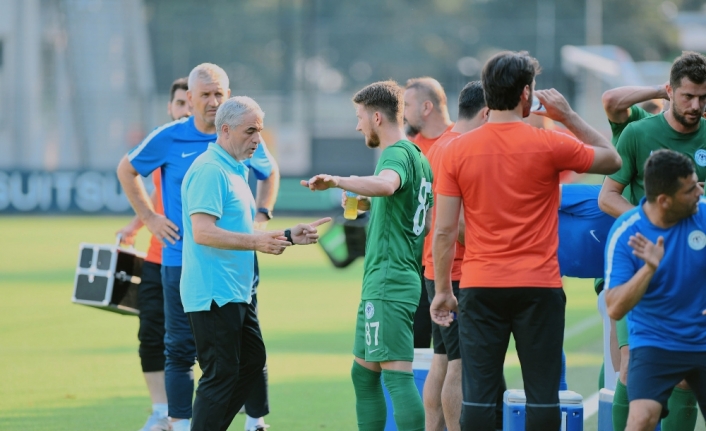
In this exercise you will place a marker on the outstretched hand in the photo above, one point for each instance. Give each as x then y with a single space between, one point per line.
646 250
443 308
320 182
272 242
305 234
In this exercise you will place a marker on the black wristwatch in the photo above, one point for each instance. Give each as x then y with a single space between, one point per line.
266 211
288 235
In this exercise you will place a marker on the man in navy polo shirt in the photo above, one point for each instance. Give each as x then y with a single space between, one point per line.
218 269
173 148
655 266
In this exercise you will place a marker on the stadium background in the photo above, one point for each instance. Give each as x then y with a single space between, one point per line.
82 81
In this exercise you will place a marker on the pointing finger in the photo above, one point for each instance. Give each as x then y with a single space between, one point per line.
321 221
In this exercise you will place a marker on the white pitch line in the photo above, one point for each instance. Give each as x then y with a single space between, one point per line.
583 325
590 406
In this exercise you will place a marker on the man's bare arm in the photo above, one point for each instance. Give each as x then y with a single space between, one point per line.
207 233
611 200
385 183
160 226
606 159
617 102
266 194
621 299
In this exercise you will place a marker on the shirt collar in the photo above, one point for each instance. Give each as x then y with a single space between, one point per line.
238 167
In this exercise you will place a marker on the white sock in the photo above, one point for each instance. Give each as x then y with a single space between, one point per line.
181 425
160 409
252 422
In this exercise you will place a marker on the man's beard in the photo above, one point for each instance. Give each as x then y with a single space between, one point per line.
372 141
681 118
411 130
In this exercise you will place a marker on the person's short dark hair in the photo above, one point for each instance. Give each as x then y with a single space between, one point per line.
651 107
663 169
178 84
431 90
471 100
385 96
505 76
689 64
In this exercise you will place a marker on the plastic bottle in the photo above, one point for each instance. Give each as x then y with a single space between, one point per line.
351 211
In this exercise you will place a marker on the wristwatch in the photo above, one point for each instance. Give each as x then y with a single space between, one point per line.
266 211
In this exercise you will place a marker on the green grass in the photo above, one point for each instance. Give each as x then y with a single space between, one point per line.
70 367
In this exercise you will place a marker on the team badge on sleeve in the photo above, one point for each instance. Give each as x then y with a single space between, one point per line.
370 309
700 157
697 241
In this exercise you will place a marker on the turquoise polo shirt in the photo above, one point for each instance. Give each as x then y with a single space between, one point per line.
216 184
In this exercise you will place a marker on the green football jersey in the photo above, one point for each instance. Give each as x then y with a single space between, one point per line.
393 251
636 114
641 138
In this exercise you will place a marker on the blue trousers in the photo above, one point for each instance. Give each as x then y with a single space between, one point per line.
179 347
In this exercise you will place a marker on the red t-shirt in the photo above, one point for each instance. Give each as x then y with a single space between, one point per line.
507 175
435 157
154 253
425 144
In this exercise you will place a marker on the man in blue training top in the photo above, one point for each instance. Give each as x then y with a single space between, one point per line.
655 262
219 239
173 147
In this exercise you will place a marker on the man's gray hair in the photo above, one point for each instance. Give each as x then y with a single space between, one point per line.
208 73
232 111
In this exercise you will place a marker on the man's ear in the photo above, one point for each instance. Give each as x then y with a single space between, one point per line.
427 107
664 201
670 92
377 118
526 92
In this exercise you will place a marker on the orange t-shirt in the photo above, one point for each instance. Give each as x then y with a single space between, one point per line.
435 156
507 175
154 253
425 144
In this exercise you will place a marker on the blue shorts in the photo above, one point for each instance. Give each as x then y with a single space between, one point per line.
654 372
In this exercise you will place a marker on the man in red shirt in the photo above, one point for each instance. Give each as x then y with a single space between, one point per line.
426 118
506 175
442 389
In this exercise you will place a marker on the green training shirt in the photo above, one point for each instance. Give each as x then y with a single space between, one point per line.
636 114
641 138
393 251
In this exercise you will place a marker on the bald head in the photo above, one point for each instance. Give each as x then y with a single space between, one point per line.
428 89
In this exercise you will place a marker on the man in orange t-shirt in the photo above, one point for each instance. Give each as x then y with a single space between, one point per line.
505 174
150 297
442 388
426 118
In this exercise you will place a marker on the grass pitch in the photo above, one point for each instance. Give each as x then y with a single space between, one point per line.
70 367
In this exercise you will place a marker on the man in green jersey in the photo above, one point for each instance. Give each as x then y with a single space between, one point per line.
682 129
401 195
621 108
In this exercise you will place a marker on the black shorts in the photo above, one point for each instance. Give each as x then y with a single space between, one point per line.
654 372
445 337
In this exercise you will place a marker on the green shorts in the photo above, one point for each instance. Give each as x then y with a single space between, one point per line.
621 331
384 331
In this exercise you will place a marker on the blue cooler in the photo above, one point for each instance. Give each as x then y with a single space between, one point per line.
420 368
514 410
605 410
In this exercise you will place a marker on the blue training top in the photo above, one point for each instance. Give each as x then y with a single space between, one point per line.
173 147
216 184
669 314
583 229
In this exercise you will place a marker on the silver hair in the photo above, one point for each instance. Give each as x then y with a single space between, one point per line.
209 73
232 111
